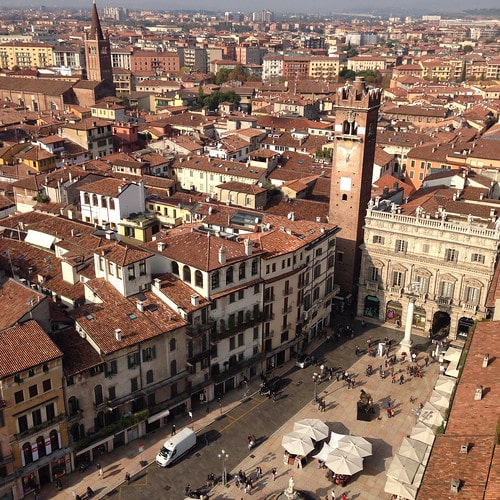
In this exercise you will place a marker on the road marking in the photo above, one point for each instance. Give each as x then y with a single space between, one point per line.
241 416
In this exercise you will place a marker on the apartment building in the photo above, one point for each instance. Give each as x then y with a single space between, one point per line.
26 55
324 68
93 134
107 201
438 250
153 62
33 423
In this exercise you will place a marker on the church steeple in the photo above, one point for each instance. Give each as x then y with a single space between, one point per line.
95 26
98 53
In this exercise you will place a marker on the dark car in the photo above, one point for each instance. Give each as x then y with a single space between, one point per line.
303 361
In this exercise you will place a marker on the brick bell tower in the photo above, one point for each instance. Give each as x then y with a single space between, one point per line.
350 190
98 52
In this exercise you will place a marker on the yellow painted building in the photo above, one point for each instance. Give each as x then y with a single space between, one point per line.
26 55
33 421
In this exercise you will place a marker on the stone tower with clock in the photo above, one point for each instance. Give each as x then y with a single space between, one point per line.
98 52
356 118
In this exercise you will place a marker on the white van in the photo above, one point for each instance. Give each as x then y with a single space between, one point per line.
175 447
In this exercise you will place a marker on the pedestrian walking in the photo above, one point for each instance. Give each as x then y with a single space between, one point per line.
414 357
90 492
258 472
369 341
127 477
100 472
356 350
426 359
274 472
401 379
173 430
333 495
344 496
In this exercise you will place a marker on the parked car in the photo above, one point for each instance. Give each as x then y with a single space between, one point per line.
303 361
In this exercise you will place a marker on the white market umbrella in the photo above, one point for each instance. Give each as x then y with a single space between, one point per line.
297 443
403 469
439 399
401 490
445 384
356 445
411 448
312 427
431 415
422 432
344 463
325 451
335 438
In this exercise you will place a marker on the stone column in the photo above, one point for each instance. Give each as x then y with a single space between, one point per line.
405 345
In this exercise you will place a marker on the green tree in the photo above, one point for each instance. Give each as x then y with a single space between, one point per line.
347 74
222 76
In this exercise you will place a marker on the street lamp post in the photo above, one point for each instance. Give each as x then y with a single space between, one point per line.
316 379
223 455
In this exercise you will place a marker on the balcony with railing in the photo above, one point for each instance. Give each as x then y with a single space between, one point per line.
469 307
238 366
285 327
286 310
395 290
444 301
287 291
268 297
197 329
229 329
372 286
37 428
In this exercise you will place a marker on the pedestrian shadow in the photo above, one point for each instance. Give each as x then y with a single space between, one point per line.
113 472
269 457
111 467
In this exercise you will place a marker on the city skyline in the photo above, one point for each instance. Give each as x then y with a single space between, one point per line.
279 6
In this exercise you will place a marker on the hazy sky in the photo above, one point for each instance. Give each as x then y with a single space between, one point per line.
317 6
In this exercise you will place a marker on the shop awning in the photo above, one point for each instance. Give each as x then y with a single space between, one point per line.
157 416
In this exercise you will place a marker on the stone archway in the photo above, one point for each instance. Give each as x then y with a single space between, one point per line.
419 317
393 312
441 324
464 327
371 307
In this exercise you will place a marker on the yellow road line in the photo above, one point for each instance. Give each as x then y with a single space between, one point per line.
241 416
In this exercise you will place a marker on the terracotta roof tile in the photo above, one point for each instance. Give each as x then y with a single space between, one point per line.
37 348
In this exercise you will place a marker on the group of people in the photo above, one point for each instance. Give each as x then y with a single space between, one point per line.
341 479
244 482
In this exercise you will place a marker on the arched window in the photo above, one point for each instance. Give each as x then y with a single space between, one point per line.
149 377
27 453
73 406
100 422
75 432
173 344
229 275
242 271
40 444
198 279
98 394
95 201
175 268
173 367
186 274
86 198
54 440
344 197
215 280
255 267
